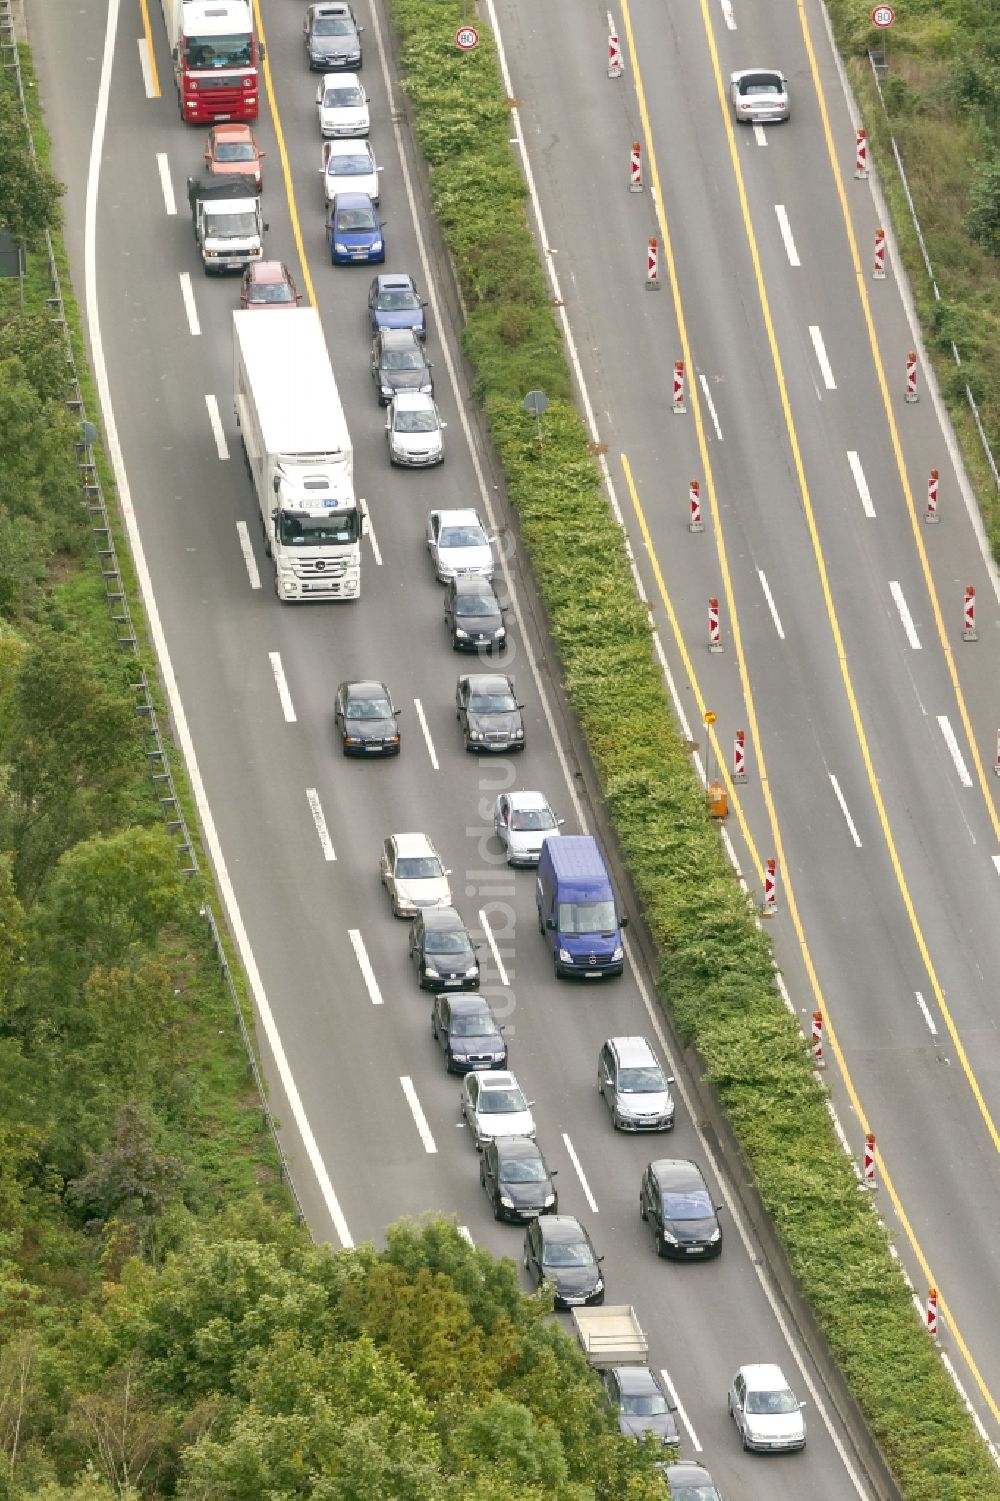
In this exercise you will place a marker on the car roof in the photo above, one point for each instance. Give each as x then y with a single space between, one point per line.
636 1378
390 336
472 583
268 271
399 280
675 1174
763 1378
631 1052
517 1146
468 517
487 682
366 688
240 132
344 146
355 200
443 917
331 80
497 1079
760 73
330 8
413 844
561 1227
685 1472
467 1003
528 799
413 401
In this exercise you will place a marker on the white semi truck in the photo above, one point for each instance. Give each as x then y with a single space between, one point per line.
298 451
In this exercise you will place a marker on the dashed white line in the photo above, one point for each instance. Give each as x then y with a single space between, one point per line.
163 164
821 356
147 72
365 966
493 947
711 405
427 734
786 235
727 14
221 446
996 864
580 1174
319 819
904 614
372 539
247 550
675 1399
845 810
758 131
187 292
418 1115
466 1235
927 1013
770 604
944 725
287 706
862 484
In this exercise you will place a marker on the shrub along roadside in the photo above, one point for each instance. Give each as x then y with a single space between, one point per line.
716 968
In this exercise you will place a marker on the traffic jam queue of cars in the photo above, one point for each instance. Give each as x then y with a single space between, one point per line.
579 919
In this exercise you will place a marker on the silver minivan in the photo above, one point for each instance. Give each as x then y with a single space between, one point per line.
634 1086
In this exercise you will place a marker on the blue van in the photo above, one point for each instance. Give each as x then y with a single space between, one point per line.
577 911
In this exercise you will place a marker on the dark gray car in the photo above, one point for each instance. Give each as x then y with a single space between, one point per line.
675 1203
517 1179
399 363
642 1404
442 951
466 1030
473 614
366 719
489 713
332 36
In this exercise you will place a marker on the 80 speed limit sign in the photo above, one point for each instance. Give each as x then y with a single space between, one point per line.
466 37
883 15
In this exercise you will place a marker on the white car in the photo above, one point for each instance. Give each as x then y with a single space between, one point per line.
414 430
413 874
458 543
767 1413
343 106
521 821
349 167
759 95
493 1106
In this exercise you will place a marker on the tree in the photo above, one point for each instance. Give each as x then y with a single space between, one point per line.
131 1180
29 193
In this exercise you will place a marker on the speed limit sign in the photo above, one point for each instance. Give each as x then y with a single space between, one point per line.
467 37
883 16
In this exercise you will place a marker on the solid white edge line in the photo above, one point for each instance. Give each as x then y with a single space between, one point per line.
178 715
419 1117
187 293
163 165
580 1174
845 810
711 405
896 590
281 683
682 1410
365 966
786 234
319 819
815 333
147 72
770 603
421 716
493 948
944 725
221 446
246 548
927 1013
862 484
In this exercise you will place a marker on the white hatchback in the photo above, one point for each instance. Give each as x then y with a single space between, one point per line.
349 167
343 105
493 1105
767 1413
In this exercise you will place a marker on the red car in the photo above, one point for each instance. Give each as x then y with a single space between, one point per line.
268 284
232 150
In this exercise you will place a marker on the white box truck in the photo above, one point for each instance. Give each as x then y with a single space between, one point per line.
298 451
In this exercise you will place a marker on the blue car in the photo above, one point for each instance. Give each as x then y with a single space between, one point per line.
394 302
355 230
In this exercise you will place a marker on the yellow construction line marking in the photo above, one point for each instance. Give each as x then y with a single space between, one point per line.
285 168
154 77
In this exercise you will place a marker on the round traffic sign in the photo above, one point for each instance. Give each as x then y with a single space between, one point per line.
466 37
883 15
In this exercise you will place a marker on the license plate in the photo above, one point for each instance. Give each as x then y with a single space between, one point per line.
592 974
373 748
694 1250
453 982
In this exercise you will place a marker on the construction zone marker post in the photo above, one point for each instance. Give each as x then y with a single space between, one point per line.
878 271
679 406
695 523
932 1313
969 632
817 1040
868 1170
635 168
615 68
911 377
861 154
931 513
770 906
740 756
714 630
652 265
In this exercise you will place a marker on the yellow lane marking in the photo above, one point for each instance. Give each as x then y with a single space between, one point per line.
285 168
154 77
831 612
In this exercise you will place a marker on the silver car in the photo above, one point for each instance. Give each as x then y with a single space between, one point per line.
412 873
493 1105
414 430
458 543
348 166
767 1414
343 106
521 821
759 95
634 1086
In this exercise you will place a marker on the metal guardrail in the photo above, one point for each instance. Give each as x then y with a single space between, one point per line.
121 618
879 63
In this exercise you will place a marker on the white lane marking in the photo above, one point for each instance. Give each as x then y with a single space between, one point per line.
163 164
821 356
493 947
221 446
365 966
711 406
996 864
727 14
944 725
319 819
770 604
418 1114
371 537
862 484
927 1013
466 1235
759 135
147 72
580 1174
845 810
187 292
246 549
896 591
178 714
427 734
786 235
682 1411
287 707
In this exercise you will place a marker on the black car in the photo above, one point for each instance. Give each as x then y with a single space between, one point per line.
489 713
473 614
442 951
641 1403
399 363
517 1181
675 1202
689 1482
366 720
468 1033
559 1252
332 36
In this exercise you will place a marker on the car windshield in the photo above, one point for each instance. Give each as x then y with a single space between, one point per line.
648 1405
356 219
529 820
397 301
694 1493
646 1080
578 1253
523 1170
587 917
502 702
453 941
346 97
235 151
688 1206
761 84
334 529
332 26
415 422
475 604
223 226
402 359
501 1101
462 536
478 1024
419 868
271 291
349 166
771 1404
220 51
368 708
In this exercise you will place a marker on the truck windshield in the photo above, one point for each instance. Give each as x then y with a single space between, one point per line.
338 529
223 226
587 917
220 51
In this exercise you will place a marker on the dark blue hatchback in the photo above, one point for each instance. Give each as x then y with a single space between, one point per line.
355 230
394 302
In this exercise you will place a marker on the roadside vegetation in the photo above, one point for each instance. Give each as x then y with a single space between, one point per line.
717 973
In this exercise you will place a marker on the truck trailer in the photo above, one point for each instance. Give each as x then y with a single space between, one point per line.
298 451
216 59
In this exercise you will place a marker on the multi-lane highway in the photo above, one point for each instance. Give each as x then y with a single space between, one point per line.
873 799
